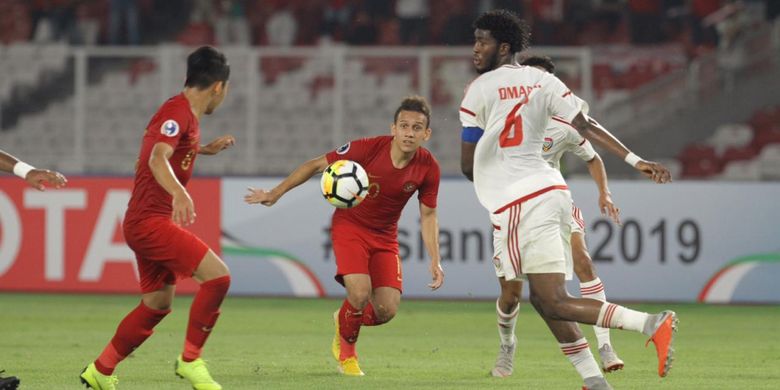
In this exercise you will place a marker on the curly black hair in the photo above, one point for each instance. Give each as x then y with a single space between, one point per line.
542 61
506 27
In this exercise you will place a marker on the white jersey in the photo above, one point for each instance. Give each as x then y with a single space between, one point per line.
560 138
514 105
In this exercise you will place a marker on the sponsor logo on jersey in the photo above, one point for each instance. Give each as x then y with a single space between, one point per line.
344 148
409 186
548 144
170 128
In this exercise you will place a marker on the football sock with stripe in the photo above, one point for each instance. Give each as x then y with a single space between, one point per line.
506 324
595 290
618 317
581 358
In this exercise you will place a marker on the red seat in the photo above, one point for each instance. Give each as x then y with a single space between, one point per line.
747 152
767 135
701 168
697 152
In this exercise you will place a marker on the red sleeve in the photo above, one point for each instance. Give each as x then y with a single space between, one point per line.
354 150
170 124
429 190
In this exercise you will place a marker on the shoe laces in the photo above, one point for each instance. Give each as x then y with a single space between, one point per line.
112 379
200 374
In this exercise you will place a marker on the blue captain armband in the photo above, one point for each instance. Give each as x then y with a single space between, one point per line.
471 134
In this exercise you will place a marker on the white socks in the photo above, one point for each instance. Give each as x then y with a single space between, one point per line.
595 290
580 357
619 317
506 325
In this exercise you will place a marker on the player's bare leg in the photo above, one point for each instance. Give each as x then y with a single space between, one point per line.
592 288
132 331
549 293
576 348
348 321
382 307
507 308
214 278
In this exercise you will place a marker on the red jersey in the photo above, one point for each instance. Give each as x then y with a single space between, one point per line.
174 124
389 187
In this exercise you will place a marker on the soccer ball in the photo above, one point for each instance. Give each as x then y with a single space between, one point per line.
344 184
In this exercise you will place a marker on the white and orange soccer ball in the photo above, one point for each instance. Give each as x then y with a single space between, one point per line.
344 184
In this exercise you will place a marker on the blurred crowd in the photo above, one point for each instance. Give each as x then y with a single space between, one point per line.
694 23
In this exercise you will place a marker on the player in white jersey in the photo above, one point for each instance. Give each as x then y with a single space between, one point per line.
504 114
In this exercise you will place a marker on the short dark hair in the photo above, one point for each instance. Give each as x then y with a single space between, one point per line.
414 103
206 66
541 61
506 27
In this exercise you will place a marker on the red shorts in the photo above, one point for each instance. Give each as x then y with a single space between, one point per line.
164 251
361 251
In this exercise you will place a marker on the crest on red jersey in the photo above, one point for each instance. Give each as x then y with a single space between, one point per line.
169 128
548 144
409 186
344 148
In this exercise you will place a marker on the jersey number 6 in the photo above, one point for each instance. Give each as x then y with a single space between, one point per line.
512 135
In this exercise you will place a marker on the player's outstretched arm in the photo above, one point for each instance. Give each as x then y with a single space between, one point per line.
599 175
35 177
429 227
304 172
183 207
598 135
217 145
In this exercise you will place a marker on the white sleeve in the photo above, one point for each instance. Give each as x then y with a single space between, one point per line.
557 105
472 108
577 144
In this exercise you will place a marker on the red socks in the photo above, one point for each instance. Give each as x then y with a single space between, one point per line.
134 329
350 320
203 315
369 317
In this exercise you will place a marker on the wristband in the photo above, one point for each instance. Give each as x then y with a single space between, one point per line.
21 169
632 159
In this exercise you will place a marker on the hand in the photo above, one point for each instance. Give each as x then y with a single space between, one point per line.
608 209
218 145
183 209
266 198
437 274
37 177
656 171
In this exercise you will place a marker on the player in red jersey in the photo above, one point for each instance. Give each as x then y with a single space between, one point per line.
34 177
153 227
365 237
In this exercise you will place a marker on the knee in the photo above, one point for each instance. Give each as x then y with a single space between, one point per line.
508 302
550 307
358 298
385 313
583 266
158 303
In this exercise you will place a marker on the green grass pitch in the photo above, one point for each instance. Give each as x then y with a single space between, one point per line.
285 344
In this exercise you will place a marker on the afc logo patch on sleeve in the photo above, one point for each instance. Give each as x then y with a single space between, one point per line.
344 148
170 128
548 144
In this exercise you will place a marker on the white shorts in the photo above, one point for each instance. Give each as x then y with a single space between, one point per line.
577 220
534 237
